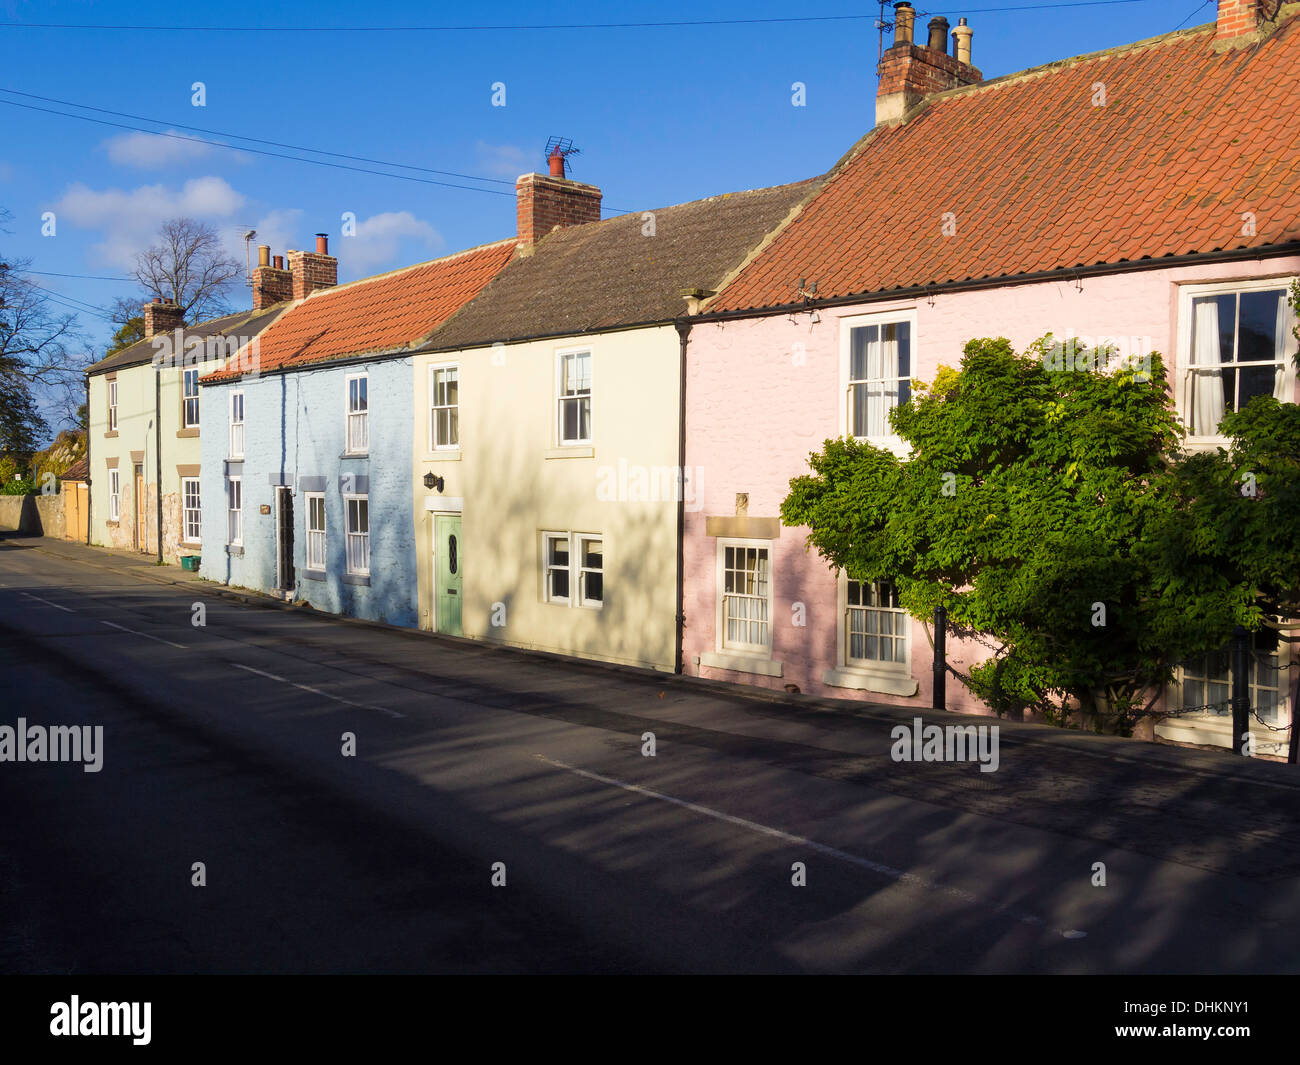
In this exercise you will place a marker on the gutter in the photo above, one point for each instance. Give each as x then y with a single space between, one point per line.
1065 273
157 448
90 470
684 332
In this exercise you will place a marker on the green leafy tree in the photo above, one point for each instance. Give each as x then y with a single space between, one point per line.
1238 514
131 329
1024 509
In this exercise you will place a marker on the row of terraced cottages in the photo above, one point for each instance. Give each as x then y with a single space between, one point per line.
577 439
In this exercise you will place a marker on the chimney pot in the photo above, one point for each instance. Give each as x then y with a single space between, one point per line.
264 255
556 160
961 42
279 262
322 244
939 34
904 23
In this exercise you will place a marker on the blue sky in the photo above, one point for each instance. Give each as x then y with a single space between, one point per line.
662 115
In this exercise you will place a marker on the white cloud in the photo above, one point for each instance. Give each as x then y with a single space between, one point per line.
129 219
503 160
153 150
378 240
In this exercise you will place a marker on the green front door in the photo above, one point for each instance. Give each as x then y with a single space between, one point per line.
447 565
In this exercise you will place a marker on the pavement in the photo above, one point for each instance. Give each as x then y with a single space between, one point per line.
768 833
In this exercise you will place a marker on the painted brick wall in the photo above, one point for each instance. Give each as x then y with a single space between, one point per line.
294 428
764 393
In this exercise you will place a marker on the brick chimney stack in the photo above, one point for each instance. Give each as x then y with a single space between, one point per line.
161 316
271 284
313 270
1238 18
543 202
910 72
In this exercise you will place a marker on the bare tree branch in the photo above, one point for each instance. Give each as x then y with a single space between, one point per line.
188 264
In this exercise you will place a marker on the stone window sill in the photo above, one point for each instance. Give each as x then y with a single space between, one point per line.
742 663
314 575
451 454
884 681
187 434
361 579
573 452
111 434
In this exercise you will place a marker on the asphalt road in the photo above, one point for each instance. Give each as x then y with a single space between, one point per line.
223 744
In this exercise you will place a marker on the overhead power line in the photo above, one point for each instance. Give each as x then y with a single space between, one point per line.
254 151
519 27
255 140
82 277
61 300
258 151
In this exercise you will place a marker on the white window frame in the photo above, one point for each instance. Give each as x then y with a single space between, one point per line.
581 571
435 407
1284 709
744 648
188 511
870 665
237 408
187 398
112 405
1183 387
576 571
548 537
235 514
359 417
561 399
315 536
356 542
891 440
114 494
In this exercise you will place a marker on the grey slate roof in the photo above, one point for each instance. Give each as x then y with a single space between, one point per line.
607 275
246 324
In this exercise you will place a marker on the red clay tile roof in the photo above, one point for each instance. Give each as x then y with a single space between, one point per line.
1189 140
377 314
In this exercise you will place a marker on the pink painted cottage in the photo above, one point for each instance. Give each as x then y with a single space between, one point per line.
1149 194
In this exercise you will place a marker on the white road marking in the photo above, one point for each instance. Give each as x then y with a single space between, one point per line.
156 639
821 848
317 691
66 610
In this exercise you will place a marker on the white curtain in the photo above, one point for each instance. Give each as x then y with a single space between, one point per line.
1283 388
882 368
1207 388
